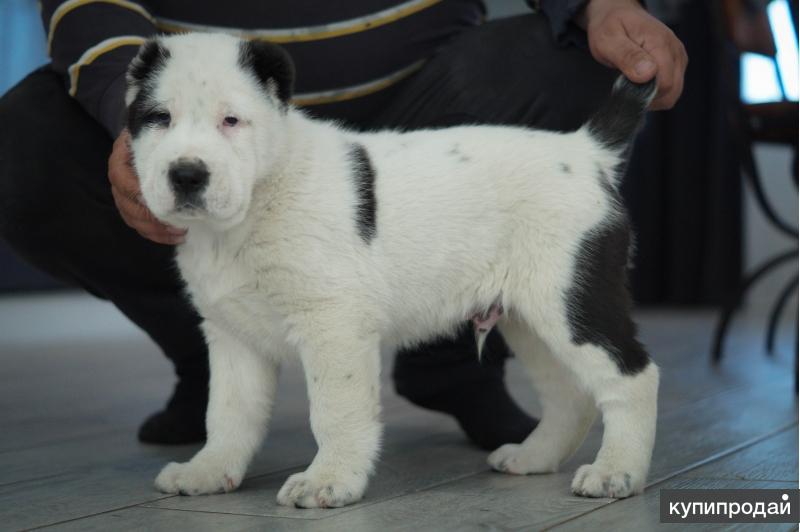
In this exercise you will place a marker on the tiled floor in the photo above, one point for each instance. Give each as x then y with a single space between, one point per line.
76 379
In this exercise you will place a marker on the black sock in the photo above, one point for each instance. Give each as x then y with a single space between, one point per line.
183 420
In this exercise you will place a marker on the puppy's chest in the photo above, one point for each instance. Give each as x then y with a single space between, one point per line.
225 291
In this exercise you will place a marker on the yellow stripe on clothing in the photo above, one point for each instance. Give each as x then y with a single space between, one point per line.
355 91
311 33
96 51
68 6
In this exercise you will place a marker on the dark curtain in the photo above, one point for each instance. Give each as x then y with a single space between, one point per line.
683 186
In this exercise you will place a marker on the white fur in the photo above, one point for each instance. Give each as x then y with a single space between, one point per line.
277 268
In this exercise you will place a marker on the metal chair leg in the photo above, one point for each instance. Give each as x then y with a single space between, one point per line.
776 313
730 309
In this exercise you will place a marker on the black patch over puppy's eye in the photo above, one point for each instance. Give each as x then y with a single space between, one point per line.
158 119
144 69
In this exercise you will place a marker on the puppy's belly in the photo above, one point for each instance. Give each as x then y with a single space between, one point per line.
431 321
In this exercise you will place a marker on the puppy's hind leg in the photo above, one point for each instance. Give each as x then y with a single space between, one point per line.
241 394
581 309
628 406
567 411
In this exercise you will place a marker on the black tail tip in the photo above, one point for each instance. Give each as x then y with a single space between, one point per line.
615 124
643 92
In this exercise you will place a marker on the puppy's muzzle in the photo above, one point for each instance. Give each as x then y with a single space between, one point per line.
188 179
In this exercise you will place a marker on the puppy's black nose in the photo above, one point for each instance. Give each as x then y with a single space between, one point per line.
188 178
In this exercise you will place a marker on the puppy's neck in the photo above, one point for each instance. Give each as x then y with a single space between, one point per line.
307 144
207 237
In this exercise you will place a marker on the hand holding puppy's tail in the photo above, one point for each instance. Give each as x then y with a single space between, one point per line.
615 124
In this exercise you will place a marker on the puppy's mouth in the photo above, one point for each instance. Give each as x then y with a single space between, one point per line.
190 210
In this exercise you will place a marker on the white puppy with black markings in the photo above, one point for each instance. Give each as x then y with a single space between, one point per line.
307 239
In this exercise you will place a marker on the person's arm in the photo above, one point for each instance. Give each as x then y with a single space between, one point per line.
90 44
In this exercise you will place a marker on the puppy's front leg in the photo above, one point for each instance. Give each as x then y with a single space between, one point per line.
241 394
342 375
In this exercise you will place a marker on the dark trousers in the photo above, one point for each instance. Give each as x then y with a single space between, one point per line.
57 212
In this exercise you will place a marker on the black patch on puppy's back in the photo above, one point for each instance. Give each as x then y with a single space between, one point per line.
270 64
364 181
599 303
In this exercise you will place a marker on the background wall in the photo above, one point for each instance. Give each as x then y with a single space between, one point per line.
761 240
22 43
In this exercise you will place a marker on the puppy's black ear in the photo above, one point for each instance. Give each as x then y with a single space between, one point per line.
148 62
270 64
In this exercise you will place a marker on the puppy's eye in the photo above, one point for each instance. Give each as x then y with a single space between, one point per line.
230 121
159 118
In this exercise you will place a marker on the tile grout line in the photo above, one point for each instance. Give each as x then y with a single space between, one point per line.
144 506
35 479
728 452
661 480
718 456
148 503
731 479
343 510
111 510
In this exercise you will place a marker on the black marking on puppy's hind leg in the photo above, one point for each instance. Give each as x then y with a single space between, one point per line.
364 180
599 303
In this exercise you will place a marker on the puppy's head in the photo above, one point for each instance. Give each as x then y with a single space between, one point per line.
206 115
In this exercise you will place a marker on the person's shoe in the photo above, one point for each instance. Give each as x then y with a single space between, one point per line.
449 378
183 421
484 410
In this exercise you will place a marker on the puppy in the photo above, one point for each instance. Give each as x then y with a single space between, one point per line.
307 239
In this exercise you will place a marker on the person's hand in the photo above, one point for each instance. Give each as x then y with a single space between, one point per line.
128 196
622 34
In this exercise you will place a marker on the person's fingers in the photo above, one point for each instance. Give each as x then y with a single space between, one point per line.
120 151
613 47
121 173
671 66
642 48
669 98
681 62
127 197
665 79
154 235
138 217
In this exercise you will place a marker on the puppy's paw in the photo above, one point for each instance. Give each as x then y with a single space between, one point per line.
313 490
601 481
197 478
520 460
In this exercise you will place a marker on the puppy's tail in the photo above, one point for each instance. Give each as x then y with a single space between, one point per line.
616 123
